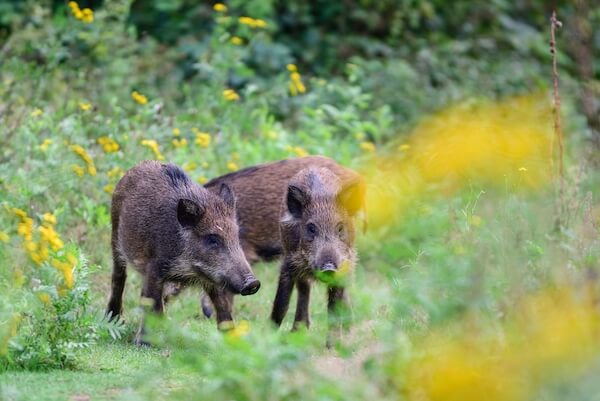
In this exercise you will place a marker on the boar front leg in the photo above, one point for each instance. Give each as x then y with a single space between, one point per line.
222 300
302 318
284 291
152 292
336 313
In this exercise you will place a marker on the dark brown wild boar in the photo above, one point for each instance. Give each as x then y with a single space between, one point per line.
304 209
175 231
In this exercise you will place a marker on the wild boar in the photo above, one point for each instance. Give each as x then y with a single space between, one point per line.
322 195
175 231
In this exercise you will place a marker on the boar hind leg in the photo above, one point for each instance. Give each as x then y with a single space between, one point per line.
337 313
282 297
206 305
302 318
222 299
119 275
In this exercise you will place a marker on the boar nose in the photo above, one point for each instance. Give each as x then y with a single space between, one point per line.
329 267
250 286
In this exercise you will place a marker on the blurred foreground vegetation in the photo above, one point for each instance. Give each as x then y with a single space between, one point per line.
478 276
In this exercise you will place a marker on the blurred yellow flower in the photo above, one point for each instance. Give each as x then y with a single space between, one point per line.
4 236
404 147
522 169
86 15
115 172
190 166
44 145
236 40
48 234
108 188
295 85
202 179
220 7
202 139
205 165
475 220
271 134
81 152
231 95
66 268
108 144
297 150
85 106
367 146
153 145
139 98
49 218
179 143
19 212
44 297
252 22
78 170
359 136
176 132
239 330
36 112
232 166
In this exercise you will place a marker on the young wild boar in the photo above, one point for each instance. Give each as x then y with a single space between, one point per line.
175 231
302 208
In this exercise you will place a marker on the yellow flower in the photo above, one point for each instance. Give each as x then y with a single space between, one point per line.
232 166
108 188
48 234
78 170
202 179
66 268
49 218
231 95
4 236
115 172
367 146
404 147
359 136
81 152
295 85
153 145
239 330
44 297
108 144
190 166
85 106
236 40
271 134
36 112
87 15
179 143
252 22
292 68
297 150
176 132
522 169
220 7
44 145
205 165
19 212
202 139
475 220
139 98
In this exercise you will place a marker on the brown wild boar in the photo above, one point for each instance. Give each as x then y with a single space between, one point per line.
175 231
303 209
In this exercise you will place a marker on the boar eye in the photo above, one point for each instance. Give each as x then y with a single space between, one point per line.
340 228
311 230
213 241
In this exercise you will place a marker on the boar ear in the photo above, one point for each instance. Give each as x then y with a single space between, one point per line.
297 199
352 196
189 212
226 193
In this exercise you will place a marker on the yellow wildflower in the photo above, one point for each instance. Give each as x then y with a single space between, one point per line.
220 7
4 236
367 146
78 170
44 145
139 98
360 136
85 106
271 134
202 179
81 152
153 145
66 268
176 132
115 172
475 220
202 139
25 228
239 330
231 95
49 218
19 212
205 165
236 40
179 143
108 144
295 85
36 112
86 15
44 297
522 169
252 22
404 147
108 188
232 166
48 234
297 150
190 166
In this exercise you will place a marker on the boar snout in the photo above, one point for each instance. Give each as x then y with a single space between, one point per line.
251 286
